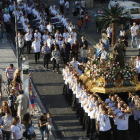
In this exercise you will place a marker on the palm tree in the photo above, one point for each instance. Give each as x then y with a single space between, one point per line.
115 16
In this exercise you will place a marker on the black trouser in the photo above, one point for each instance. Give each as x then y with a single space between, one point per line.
92 127
81 114
105 135
62 9
65 60
73 101
37 56
6 134
14 112
28 43
64 89
57 65
115 132
139 76
122 135
46 59
29 16
75 55
110 40
136 130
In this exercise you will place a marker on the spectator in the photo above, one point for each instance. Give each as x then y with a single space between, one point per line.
20 44
43 126
83 4
29 133
54 44
68 49
138 66
23 104
74 63
49 119
61 4
86 21
6 18
83 41
80 25
77 5
4 109
55 58
83 52
64 53
16 129
5 124
67 7
1 86
134 34
9 74
32 101
11 102
17 78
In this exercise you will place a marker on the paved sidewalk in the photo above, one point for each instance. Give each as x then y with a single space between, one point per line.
7 56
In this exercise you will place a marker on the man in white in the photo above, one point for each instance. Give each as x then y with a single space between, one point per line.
75 64
67 6
6 18
36 48
103 125
38 35
61 4
28 38
122 127
50 41
138 66
50 27
134 34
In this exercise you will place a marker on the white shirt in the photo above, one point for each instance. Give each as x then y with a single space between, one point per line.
17 129
28 37
138 66
123 123
75 64
36 46
83 3
109 32
50 42
134 30
61 2
50 28
116 111
67 5
38 35
65 35
104 122
6 17
45 37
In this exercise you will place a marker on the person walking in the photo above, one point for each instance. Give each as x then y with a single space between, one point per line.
86 21
64 53
47 54
20 44
28 39
134 34
67 7
55 58
61 4
36 48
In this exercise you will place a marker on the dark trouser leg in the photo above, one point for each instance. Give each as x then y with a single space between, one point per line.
47 61
87 124
28 46
44 60
36 57
73 101
92 127
115 132
121 134
136 130
102 135
108 135
81 114
6 134
57 67
42 134
54 62
139 76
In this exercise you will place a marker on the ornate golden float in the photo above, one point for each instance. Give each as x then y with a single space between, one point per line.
107 77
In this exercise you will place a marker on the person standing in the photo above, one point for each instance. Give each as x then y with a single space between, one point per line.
5 124
10 74
83 41
74 63
55 58
84 52
28 39
20 44
134 34
23 104
83 4
47 54
138 66
86 21
61 4
80 25
68 49
6 18
36 48
64 53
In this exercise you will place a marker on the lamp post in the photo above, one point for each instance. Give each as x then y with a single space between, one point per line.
16 30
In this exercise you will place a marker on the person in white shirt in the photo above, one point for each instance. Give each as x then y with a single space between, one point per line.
122 126
61 4
74 63
45 37
134 34
50 41
65 34
109 33
28 38
138 66
16 129
83 4
50 27
38 35
67 7
103 125
20 44
6 18
71 40
36 48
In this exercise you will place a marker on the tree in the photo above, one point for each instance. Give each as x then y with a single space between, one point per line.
115 16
